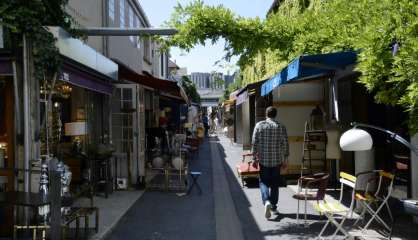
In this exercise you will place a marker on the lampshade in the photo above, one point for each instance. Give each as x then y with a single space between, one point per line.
356 140
75 129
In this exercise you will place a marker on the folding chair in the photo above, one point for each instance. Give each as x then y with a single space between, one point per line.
334 209
379 198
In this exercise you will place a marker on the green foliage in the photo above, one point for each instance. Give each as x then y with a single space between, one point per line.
264 46
20 17
190 89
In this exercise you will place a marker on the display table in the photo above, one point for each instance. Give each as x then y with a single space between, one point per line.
408 207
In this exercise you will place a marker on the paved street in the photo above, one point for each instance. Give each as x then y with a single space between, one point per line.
225 210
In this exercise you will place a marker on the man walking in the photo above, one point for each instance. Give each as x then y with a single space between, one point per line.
270 149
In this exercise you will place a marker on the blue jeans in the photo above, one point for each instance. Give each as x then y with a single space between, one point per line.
269 184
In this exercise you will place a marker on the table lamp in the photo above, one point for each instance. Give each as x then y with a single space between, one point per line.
76 130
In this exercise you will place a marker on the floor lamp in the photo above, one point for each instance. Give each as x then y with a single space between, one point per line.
357 139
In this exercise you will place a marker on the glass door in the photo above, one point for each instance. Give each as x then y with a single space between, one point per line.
7 182
125 130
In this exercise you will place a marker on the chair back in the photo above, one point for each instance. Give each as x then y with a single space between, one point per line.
322 187
385 185
348 181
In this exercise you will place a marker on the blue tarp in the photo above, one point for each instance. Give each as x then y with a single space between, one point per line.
310 66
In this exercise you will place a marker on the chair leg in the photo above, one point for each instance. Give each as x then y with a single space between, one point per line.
339 227
325 227
362 215
389 211
97 221
306 202
297 213
86 227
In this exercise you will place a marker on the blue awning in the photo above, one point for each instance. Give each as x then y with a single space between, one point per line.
308 67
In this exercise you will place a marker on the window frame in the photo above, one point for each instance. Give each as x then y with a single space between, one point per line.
111 9
122 6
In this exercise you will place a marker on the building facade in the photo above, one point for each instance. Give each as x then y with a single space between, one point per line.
140 54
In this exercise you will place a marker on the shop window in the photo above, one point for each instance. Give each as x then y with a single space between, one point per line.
147 50
1 37
136 38
131 22
111 8
122 13
2 106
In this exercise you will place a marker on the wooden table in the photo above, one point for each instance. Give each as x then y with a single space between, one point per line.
25 199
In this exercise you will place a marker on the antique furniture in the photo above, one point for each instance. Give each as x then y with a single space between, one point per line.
332 210
379 197
76 214
247 169
195 176
306 185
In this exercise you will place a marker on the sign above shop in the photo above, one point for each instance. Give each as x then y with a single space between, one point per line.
80 52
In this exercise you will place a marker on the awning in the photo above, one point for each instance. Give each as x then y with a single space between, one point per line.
250 89
6 66
84 77
242 97
233 95
166 88
308 67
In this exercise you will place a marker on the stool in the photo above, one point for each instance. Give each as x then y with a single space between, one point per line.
195 176
82 212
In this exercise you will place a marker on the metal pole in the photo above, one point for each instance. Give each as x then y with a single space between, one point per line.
109 31
26 115
392 135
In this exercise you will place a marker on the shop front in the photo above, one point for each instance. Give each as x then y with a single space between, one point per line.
7 136
326 85
253 110
140 106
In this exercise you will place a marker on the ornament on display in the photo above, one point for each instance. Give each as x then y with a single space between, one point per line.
177 163
157 162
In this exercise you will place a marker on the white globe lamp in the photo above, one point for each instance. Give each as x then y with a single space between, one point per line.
356 140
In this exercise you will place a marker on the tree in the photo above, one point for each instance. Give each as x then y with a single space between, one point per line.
190 89
373 28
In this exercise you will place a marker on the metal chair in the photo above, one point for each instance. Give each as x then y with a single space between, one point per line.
379 198
334 209
306 185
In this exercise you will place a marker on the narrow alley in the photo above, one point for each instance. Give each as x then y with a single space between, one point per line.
225 210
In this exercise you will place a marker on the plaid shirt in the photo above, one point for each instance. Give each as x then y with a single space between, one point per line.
270 143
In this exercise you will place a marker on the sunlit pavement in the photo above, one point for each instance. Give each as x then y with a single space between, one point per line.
225 210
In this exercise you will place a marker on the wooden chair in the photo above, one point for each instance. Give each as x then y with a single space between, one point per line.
246 169
306 185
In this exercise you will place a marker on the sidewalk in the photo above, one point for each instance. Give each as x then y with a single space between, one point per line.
165 215
111 210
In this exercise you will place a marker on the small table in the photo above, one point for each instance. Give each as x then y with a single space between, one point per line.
26 199
409 207
195 176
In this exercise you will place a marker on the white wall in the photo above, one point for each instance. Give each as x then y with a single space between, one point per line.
293 104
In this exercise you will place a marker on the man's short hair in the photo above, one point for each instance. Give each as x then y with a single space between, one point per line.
271 112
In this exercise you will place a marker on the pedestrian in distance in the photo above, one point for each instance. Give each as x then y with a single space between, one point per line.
270 149
205 122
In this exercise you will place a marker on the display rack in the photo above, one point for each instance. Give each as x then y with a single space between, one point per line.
314 151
